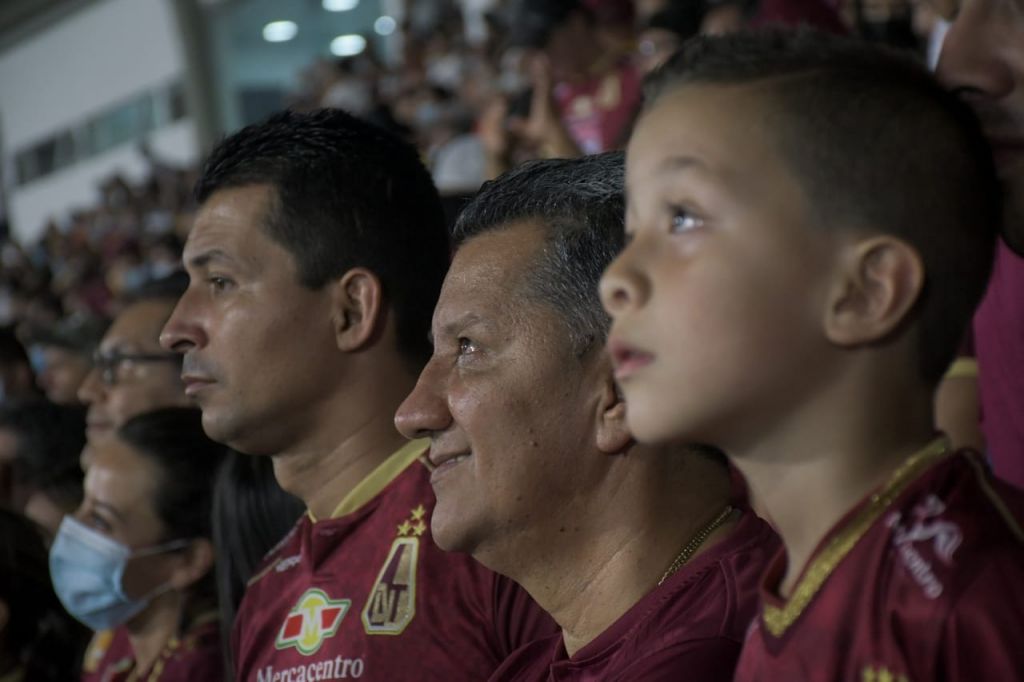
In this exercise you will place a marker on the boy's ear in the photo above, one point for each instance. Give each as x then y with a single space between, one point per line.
880 281
613 435
357 301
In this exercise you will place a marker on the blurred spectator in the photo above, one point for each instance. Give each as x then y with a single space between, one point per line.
132 374
38 641
135 562
39 448
17 381
62 356
584 95
665 31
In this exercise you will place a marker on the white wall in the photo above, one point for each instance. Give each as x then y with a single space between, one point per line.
97 57
77 186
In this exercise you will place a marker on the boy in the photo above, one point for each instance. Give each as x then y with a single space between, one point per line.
812 225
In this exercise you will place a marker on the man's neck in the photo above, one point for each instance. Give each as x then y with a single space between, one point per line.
349 435
322 476
817 466
620 547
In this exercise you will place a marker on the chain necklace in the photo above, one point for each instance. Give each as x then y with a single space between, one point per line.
695 542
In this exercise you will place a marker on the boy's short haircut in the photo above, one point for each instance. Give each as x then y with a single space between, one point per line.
879 146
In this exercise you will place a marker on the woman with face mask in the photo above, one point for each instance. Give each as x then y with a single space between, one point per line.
135 561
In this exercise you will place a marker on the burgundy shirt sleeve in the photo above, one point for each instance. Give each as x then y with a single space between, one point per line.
984 634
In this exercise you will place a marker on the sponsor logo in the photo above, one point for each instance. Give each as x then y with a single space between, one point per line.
288 562
314 619
944 536
340 668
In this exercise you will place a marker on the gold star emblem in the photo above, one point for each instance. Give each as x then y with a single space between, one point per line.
418 513
419 528
403 528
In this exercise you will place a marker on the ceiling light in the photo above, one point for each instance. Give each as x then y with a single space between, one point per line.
348 45
385 25
280 31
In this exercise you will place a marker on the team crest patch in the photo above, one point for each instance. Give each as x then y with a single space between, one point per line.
314 619
392 601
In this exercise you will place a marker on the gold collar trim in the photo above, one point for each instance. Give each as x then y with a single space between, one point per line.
778 619
379 478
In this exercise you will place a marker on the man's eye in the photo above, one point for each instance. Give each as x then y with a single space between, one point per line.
684 221
466 346
219 283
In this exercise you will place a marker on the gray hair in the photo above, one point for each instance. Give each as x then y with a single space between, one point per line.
580 206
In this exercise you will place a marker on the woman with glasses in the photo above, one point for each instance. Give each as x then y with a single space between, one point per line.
135 561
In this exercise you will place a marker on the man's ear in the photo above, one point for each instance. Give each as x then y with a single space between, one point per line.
880 280
613 435
357 302
197 561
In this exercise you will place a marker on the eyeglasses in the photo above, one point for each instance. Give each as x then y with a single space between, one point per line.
107 364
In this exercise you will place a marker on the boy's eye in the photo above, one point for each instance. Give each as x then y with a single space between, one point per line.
684 221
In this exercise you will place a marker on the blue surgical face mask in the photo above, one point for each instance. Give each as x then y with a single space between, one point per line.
87 568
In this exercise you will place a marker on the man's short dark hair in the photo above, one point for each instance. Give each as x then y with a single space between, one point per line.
580 205
347 194
879 146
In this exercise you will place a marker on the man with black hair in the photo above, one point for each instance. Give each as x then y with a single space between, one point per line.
640 554
131 373
982 60
315 261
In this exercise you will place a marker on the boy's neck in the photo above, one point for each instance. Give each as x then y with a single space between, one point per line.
808 476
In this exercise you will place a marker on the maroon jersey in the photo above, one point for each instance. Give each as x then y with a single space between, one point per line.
689 627
923 580
367 595
194 656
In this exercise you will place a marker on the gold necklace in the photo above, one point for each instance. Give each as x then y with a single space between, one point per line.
695 542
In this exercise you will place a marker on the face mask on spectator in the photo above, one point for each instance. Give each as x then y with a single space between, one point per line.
87 569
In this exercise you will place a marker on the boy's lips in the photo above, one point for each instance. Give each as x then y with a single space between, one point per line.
627 359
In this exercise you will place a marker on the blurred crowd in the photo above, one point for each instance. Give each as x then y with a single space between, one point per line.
480 88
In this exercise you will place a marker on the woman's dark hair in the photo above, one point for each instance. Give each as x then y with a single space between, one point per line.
250 515
39 635
173 439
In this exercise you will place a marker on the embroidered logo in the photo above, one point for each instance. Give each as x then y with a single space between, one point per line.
391 604
944 536
880 674
314 619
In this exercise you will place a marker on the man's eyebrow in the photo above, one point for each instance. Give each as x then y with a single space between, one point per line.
451 327
201 260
